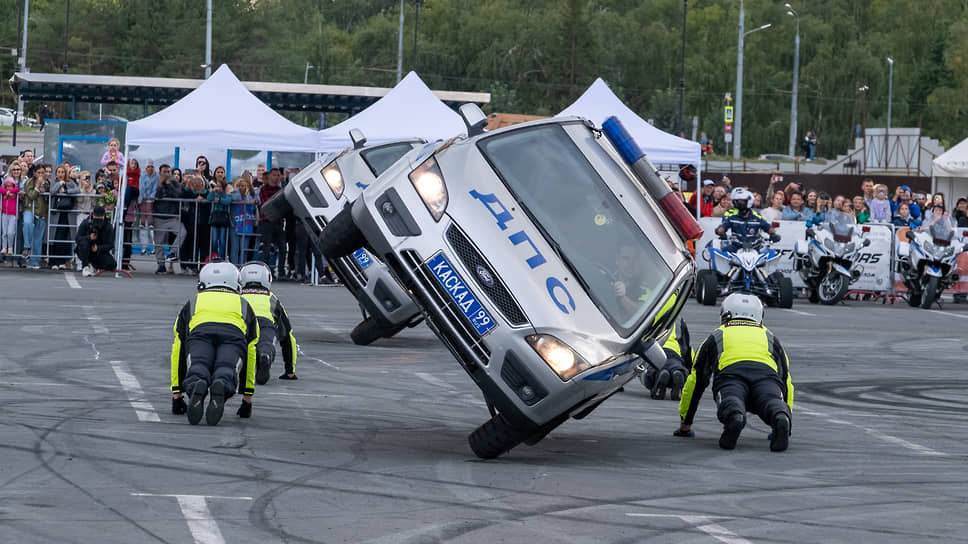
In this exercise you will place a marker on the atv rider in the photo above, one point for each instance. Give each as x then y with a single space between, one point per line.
749 370
743 221
255 278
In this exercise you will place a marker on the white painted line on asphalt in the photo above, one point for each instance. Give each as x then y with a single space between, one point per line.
136 395
200 521
434 380
798 312
311 358
701 523
97 354
947 314
71 280
95 320
917 448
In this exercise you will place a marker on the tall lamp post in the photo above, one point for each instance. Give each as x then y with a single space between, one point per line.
890 95
306 73
738 114
682 74
796 81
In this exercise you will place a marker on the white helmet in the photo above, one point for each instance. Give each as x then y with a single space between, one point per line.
219 275
740 194
741 306
256 272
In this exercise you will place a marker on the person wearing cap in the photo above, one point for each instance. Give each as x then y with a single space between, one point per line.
94 243
255 278
214 349
708 202
749 371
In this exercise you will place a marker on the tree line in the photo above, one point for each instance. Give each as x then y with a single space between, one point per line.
537 56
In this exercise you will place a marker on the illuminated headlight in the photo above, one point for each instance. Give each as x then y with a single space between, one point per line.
561 358
334 178
429 183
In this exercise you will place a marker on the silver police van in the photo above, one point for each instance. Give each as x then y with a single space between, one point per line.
319 192
546 261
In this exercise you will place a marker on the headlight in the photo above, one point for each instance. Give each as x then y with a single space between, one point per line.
849 249
429 183
829 244
334 178
561 358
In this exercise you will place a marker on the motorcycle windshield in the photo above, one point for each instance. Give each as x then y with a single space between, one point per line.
942 230
841 225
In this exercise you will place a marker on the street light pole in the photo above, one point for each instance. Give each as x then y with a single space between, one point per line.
23 57
306 74
208 40
738 114
400 47
682 76
796 82
890 94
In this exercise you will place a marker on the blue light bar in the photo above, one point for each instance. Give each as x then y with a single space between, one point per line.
622 140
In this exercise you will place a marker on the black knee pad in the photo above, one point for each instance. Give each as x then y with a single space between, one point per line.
729 406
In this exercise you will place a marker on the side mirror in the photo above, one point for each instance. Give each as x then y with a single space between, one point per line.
866 242
909 235
810 232
474 118
359 140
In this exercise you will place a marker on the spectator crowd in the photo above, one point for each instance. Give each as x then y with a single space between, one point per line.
60 217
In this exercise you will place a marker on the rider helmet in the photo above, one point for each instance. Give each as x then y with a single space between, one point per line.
219 274
255 273
742 199
741 306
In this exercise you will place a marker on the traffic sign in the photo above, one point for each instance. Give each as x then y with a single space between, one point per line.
729 114
729 128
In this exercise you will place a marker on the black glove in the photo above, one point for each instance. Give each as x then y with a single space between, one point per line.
245 411
722 235
774 237
178 406
684 434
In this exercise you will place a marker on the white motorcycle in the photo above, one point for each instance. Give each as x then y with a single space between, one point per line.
927 261
827 260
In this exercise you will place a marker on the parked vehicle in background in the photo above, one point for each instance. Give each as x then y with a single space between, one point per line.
828 259
317 194
514 242
927 261
6 117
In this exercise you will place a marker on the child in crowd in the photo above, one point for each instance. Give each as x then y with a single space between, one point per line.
113 153
880 208
105 198
8 216
903 217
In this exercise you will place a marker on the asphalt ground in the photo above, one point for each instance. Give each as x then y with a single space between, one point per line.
370 444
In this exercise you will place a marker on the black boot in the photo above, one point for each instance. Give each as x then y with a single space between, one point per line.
733 426
196 401
216 404
780 438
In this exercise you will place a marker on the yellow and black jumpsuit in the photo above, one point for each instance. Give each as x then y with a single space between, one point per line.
273 322
749 370
216 333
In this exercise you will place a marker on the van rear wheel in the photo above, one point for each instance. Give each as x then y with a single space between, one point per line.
495 437
341 236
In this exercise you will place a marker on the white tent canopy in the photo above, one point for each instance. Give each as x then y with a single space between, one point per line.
409 110
949 172
221 112
598 103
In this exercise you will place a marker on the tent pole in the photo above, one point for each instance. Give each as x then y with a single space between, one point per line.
119 214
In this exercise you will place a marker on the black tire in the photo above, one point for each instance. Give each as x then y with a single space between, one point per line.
832 288
277 207
785 293
914 299
496 436
707 288
341 236
931 292
367 331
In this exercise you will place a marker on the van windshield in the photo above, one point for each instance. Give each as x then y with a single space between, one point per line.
379 159
582 218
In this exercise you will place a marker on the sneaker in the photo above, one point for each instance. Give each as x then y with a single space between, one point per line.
216 404
88 271
731 431
196 403
34 267
262 369
3 251
780 438
26 253
662 381
285 376
678 381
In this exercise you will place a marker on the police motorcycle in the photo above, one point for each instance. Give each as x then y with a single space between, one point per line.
927 261
828 259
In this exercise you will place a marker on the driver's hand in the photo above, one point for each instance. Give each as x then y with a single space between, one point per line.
618 288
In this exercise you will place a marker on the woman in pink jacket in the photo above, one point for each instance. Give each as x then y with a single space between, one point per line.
8 216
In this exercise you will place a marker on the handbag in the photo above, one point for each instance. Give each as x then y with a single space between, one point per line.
63 202
219 218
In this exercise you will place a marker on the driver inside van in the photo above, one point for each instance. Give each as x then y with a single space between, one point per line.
629 285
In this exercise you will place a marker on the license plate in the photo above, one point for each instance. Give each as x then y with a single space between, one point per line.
461 294
362 258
